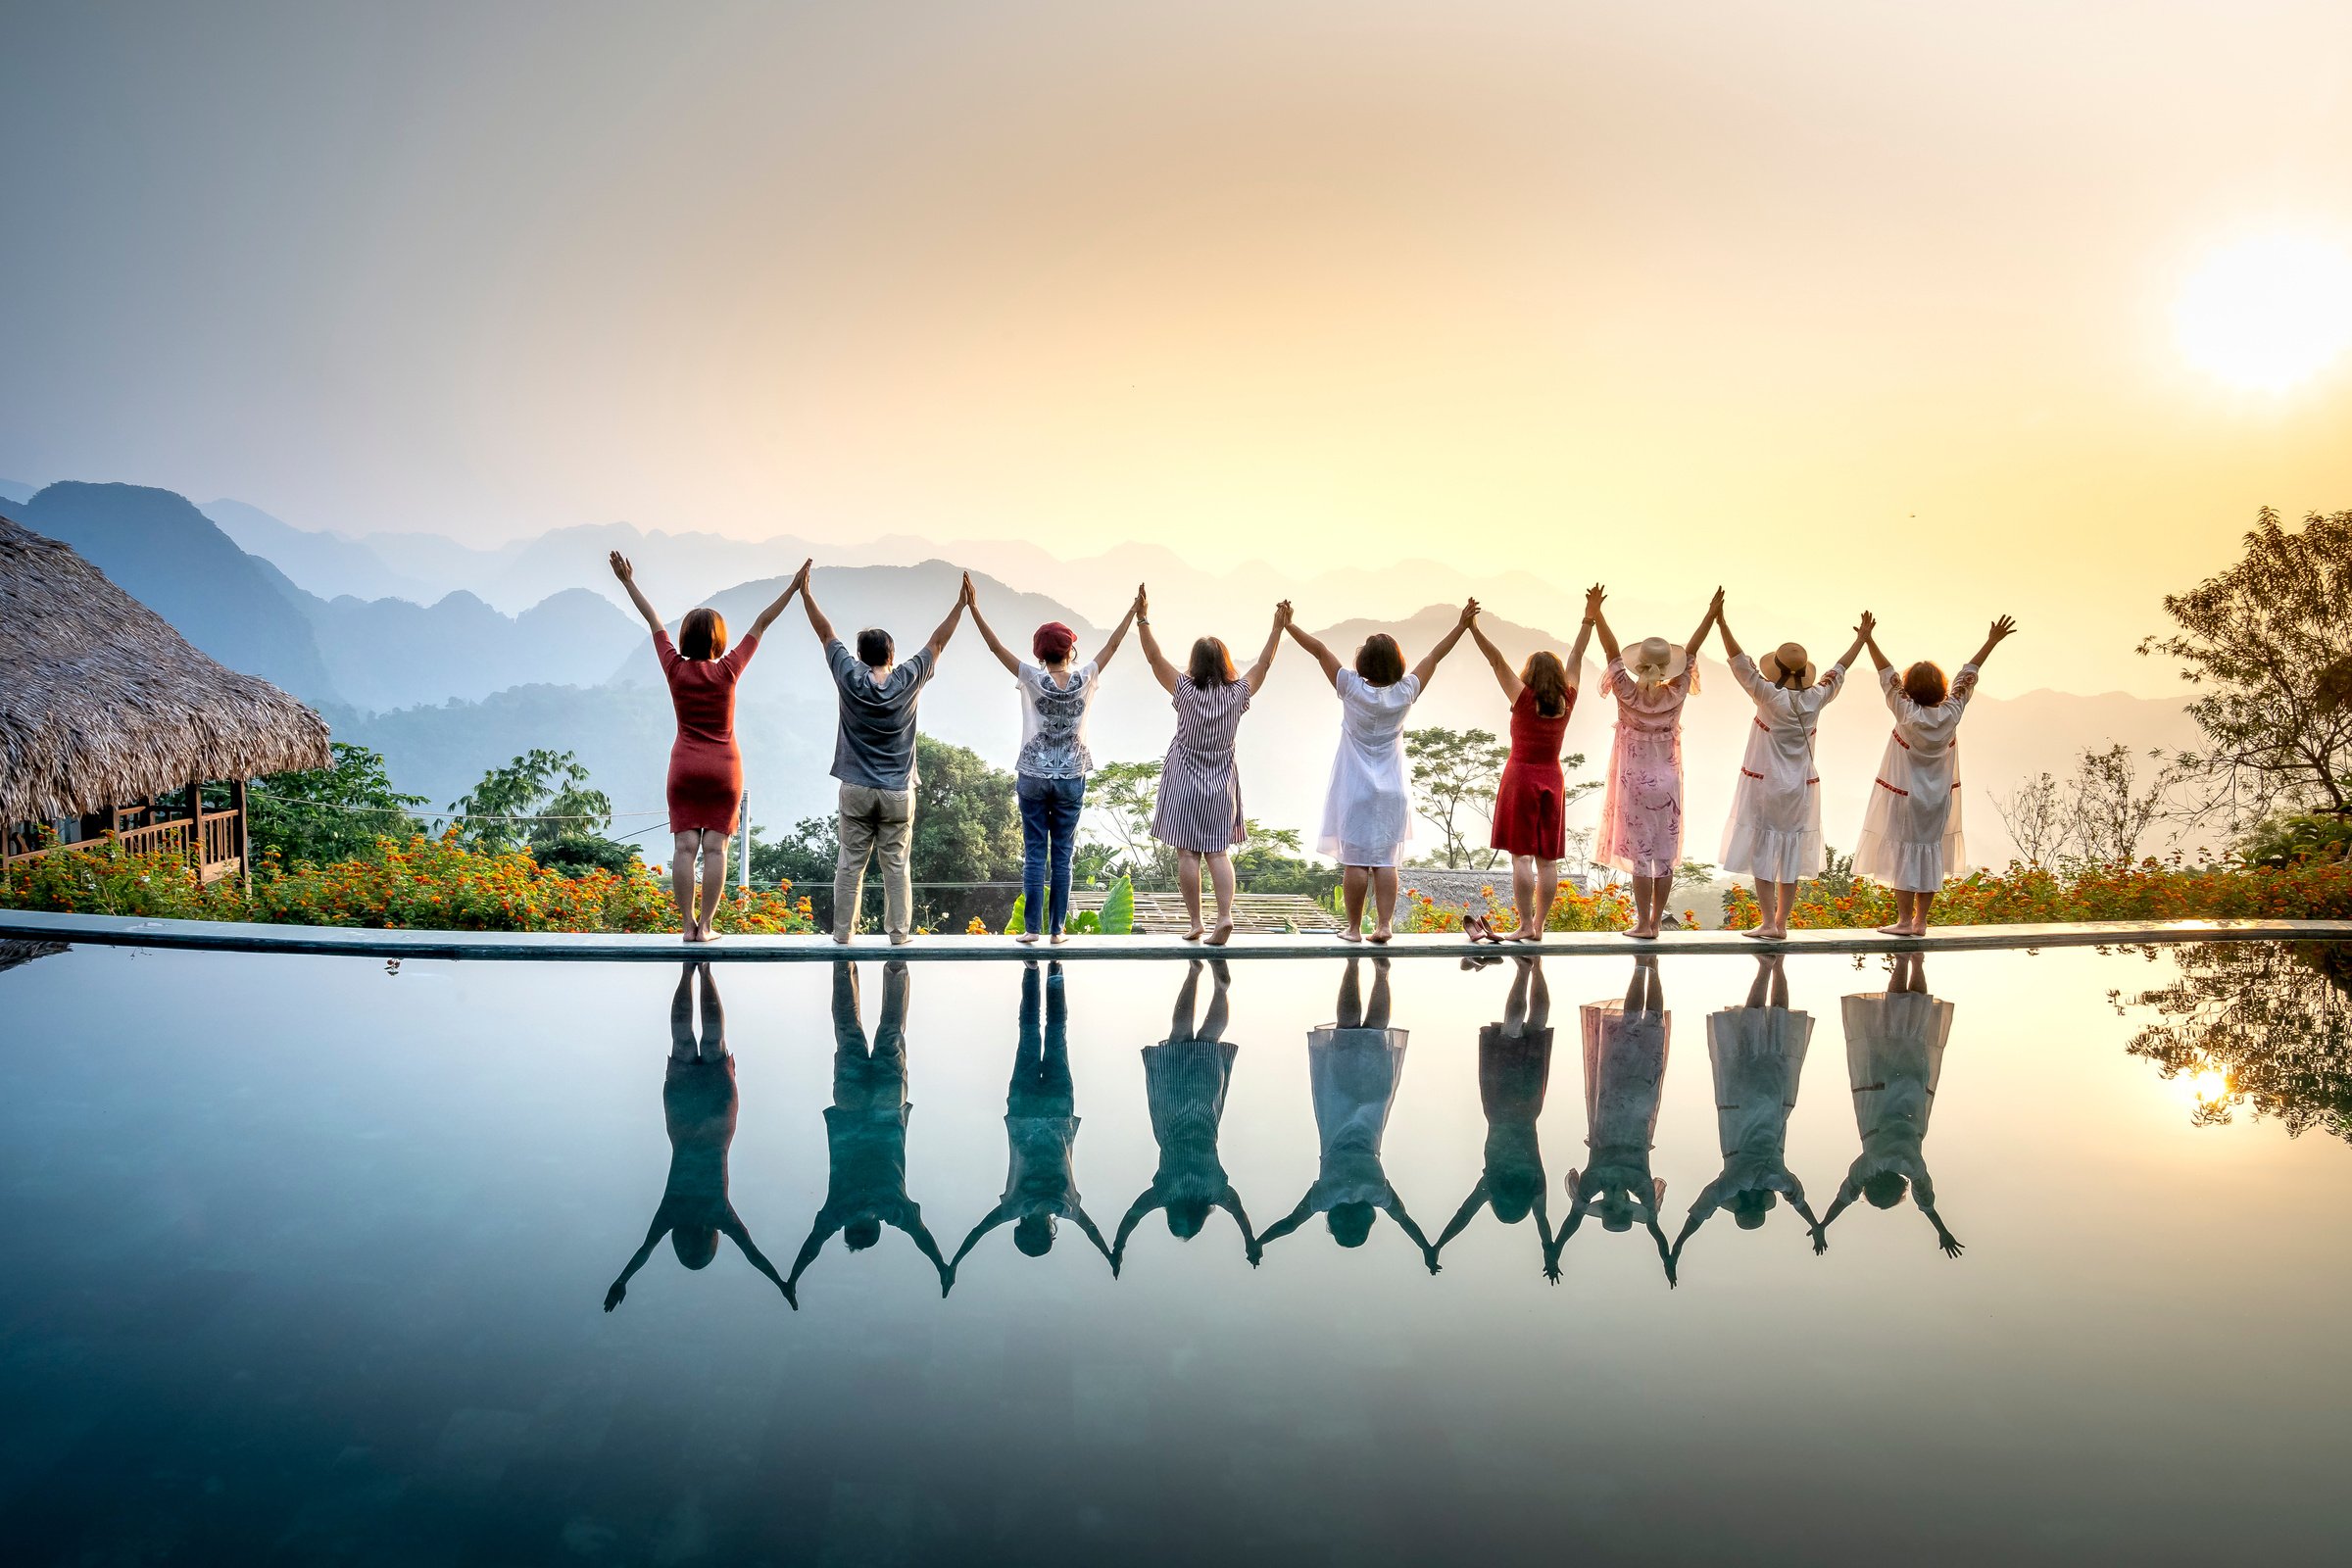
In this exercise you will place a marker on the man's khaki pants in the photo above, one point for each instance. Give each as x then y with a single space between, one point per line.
874 821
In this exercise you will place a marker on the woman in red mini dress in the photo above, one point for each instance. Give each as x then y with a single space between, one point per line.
706 769
1530 804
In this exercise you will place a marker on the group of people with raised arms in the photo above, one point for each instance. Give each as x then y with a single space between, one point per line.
1894 1045
1911 835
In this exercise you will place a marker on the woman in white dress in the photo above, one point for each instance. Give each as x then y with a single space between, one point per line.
1625 1075
1911 837
1352 1069
1757 1052
1368 812
1774 831
1894 1041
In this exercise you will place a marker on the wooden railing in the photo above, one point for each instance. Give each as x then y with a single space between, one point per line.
211 840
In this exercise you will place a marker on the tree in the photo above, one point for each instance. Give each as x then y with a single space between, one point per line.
324 814
2266 1024
2036 817
803 859
2268 645
2110 813
1455 772
1272 862
1121 797
537 799
968 822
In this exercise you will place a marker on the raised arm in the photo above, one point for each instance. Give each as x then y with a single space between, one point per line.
1463 1216
1255 677
1394 1207
742 1238
1504 676
1870 640
1731 644
1583 634
1314 646
653 1236
1601 627
1231 1202
988 635
818 623
1087 1224
1714 611
767 616
1161 670
1145 1202
1291 1221
1426 670
988 1222
1118 633
2002 629
628 580
818 1233
938 644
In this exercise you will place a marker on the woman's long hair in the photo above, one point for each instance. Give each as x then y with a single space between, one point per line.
1545 677
1211 665
703 634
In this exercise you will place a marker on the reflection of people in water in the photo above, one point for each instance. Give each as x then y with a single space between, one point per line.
1184 1081
1041 1128
1625 1073
1514 1064
865 1130
1757 1052
1894 1042
1353 1067
698 1103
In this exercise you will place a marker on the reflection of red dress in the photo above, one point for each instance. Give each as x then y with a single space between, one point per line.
706 771
1528 807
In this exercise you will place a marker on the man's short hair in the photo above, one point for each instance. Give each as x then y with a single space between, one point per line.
874 647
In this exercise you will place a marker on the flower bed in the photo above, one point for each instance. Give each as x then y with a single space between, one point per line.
423 884
2034 894
1609 909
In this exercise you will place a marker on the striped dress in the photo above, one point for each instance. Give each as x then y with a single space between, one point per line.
1199 806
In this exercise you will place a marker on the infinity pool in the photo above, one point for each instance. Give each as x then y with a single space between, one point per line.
308 1260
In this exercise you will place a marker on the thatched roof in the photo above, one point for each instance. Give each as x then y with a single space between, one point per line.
101 702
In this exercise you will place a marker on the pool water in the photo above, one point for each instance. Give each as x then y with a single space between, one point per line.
309 1261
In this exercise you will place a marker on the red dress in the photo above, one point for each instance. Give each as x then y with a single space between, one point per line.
706 771
1528 806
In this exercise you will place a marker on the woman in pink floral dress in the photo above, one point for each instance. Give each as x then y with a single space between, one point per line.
1642 816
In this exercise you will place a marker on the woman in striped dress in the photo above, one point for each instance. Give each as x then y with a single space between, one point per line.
1199 813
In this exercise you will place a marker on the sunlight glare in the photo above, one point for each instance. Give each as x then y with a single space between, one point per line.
2266 314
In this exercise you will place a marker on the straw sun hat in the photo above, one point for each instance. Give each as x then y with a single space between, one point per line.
1654 661
1784 658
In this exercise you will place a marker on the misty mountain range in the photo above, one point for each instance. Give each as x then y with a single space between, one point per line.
451 658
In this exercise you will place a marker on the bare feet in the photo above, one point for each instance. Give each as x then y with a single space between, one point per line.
1059 936
1347 934
1535 935
1381 934
1221 935
710 937
1194 935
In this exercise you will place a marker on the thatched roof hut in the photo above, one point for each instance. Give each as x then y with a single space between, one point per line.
102 703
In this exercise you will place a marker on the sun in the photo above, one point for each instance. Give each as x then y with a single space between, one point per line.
2267 315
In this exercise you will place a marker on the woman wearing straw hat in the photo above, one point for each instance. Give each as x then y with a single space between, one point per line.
1050 774
1774 831
1641 816
1911 837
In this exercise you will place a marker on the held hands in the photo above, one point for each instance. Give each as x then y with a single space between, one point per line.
1592 601
1284 616
1469 614
1715 606
625 572
800 578
1868 627
1142 609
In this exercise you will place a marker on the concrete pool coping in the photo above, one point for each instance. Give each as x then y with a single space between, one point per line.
551 947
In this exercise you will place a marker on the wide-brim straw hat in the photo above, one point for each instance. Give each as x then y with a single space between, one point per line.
1655 661
1772 669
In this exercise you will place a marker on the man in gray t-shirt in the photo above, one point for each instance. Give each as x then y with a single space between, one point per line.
873 758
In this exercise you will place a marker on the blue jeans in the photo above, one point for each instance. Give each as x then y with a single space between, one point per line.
1050 809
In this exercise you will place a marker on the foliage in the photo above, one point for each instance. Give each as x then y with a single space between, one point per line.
583 853
2268 644
2078 890
1693 874
2037 818
1455 773
1271 863
1120 797
551 787
967 820
2100 813
329 813
2259 1023
1116 919
1608 910
414 884
804 857
1119 908
2278 841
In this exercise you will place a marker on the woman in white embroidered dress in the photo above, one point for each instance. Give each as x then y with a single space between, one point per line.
1774 831
1757 1052
1894 1041
1641 816
1911 838
1367 813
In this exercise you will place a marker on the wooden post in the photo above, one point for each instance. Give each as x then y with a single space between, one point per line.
238 804
196 828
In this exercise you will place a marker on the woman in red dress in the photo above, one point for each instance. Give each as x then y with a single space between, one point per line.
706 769
1530 805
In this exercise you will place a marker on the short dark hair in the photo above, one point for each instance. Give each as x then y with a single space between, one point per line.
874 647
1380 660
1211 665
1923 684
703 634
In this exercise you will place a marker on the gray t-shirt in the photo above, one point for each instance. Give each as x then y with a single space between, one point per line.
875 744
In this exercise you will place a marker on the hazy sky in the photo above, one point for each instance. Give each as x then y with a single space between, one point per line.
1857 302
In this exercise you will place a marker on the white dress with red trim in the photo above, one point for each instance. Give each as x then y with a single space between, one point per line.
1774 831
1911 837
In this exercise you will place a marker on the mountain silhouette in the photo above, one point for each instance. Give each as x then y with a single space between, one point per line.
158 548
